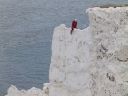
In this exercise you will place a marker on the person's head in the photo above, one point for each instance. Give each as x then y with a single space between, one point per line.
75 19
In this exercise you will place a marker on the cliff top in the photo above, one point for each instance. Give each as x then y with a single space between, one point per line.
112 5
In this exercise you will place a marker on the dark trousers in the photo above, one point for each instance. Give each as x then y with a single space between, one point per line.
72 30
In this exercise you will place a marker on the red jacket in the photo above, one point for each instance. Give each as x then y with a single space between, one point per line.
74 24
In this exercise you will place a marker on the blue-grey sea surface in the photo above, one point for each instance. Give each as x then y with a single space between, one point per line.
26 28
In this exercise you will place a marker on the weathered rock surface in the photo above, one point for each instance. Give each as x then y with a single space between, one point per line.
93 61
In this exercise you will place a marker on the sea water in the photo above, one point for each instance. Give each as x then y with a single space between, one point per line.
26 28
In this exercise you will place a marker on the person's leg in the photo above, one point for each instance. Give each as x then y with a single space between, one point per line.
71 30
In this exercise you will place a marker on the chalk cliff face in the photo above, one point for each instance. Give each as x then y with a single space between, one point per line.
110 34
90 62
69 70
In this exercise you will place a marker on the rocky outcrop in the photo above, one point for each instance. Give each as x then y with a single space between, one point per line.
69 69
13 91
109 27
93 61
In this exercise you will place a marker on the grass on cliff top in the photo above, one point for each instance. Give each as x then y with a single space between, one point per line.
112 5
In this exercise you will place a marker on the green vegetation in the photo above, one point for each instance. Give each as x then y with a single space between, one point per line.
112 5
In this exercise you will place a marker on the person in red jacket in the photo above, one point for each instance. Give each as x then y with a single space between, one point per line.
74 25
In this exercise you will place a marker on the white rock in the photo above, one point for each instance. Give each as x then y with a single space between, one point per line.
93 61
13 91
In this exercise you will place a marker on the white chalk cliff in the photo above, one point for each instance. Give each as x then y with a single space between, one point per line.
90 62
